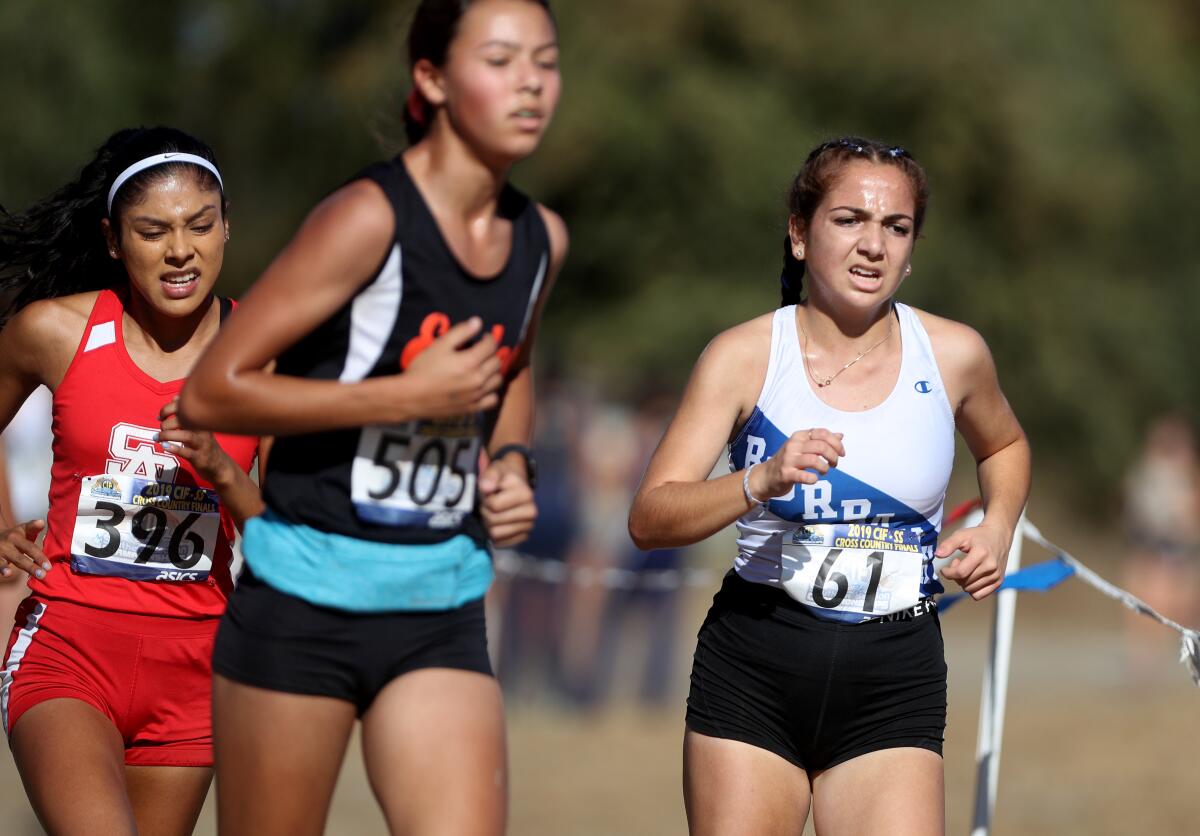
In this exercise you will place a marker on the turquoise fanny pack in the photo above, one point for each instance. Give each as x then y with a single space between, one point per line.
346 573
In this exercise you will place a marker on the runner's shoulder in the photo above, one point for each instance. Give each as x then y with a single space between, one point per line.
50 322
955 344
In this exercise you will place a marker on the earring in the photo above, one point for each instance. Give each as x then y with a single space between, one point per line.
908 270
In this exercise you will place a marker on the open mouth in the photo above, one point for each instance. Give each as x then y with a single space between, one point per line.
866 273
179 285
528 118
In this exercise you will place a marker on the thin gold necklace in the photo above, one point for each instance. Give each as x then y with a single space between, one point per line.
822 383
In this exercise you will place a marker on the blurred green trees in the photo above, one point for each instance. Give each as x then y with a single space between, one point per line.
1059 138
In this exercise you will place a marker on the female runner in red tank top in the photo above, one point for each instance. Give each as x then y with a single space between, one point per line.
105 689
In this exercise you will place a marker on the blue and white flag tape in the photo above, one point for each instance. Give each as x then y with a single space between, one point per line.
1189 644
1040 577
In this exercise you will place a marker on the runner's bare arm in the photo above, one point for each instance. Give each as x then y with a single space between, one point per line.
338 248
677 504
508 507
514 423
1001 451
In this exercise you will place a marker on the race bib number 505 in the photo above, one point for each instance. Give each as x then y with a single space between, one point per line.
418 474
858 568
142 529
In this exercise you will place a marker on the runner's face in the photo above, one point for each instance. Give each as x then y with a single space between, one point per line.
860 240
173 243
501 77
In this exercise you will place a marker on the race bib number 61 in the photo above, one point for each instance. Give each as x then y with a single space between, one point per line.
858 568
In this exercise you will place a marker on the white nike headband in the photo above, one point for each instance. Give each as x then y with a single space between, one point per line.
160 159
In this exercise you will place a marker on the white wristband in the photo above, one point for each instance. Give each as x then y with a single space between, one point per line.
746 488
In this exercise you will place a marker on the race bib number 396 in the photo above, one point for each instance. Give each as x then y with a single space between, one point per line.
143 529
858 568
419 474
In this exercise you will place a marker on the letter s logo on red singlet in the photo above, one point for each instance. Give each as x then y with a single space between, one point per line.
132 453
436 324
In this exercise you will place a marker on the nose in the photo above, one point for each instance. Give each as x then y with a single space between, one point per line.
179 248
531 77
870 244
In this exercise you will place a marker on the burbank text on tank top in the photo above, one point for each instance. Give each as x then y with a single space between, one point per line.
858 543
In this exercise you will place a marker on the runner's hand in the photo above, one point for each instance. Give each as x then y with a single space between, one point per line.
197 447
794 463
508 508
985 554
19 550
455 375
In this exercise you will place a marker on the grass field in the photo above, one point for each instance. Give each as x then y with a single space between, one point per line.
1087 750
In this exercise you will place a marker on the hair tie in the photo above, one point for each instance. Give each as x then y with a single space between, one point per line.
416 106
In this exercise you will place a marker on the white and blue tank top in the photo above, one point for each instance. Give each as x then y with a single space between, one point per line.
858 543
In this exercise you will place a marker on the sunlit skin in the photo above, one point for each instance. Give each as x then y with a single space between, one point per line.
857 251
175 231
492 99
857 248
172 243
500 83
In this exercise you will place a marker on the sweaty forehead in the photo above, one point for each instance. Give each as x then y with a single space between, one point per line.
173 192
514 21
873 186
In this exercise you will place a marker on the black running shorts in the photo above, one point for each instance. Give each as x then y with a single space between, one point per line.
769 673
273 640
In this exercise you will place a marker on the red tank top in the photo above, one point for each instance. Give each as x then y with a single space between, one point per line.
131 527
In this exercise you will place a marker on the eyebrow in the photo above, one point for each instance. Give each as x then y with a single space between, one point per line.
515 45
159 222
895 216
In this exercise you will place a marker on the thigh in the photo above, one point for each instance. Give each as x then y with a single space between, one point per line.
731 788
277 758
894 791
167 800
433 742
72 763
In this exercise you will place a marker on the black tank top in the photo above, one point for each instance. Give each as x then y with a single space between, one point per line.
413 482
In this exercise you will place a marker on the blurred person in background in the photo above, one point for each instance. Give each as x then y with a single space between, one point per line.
639 625
25 460
819 679
106 679
1162 519
528 635
402 317
608 463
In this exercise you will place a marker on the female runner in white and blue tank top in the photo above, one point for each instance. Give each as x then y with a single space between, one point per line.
819 679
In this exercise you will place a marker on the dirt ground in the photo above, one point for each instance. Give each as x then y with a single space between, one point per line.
1088 749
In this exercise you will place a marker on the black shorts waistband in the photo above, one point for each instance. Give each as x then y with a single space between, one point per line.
738 592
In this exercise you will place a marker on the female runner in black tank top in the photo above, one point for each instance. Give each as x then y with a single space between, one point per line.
401 317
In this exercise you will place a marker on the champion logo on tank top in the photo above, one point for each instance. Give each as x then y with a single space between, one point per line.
858 543
414 482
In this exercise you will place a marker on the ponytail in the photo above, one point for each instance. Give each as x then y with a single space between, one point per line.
791 280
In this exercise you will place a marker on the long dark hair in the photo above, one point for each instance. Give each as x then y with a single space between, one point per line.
56 247
434 25
814 180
